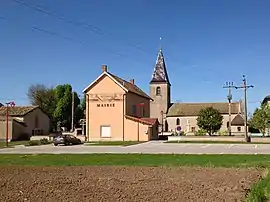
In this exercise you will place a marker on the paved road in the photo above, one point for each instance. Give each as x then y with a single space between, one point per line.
154 147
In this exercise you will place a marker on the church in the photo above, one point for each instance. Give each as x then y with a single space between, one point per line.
183 116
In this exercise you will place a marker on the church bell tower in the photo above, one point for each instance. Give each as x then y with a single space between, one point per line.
160 90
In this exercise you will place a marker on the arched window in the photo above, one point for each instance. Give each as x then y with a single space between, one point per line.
158 91
177 121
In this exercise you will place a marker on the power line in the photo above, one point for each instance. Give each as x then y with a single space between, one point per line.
87 26
92 28
55 34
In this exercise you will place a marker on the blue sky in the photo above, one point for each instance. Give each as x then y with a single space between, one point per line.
205 43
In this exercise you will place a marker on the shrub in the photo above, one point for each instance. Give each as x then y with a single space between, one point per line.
200 132
44 141
182 133
34 142
223 132
174 133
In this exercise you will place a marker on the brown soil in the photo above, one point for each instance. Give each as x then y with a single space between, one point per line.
124 184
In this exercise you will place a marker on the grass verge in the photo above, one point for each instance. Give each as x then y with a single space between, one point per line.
12 144
215 142
260 161
112 143
260 191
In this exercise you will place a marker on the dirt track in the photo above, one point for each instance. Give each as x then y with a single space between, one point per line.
124 184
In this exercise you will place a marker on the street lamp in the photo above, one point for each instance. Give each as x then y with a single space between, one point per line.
11 104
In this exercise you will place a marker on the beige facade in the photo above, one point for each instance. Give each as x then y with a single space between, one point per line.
188 124
35 121
117 110
185 116
15 129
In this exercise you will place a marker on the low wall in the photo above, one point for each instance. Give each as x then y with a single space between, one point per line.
41 137
217 138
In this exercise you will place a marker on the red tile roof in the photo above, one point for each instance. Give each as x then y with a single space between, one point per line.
17 110
148 121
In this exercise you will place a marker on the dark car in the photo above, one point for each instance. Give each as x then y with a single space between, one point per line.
66 140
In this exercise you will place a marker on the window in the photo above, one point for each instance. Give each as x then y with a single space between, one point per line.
143 112
177 121
134 110
158 91
105 131
239 129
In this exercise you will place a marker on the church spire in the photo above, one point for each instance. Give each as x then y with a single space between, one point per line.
160 74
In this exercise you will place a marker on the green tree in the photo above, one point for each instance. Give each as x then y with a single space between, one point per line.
44 97
261 118
57 103
78 113
62 113
210 120
83 102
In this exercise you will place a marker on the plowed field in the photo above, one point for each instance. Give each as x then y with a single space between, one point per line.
118 183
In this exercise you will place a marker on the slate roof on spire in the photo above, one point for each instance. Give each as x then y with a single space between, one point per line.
160 72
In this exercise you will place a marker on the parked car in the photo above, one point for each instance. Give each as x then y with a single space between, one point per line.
66 140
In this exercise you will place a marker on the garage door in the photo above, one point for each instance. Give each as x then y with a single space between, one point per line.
105 131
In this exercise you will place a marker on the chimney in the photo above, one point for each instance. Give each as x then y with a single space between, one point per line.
131 81
104 68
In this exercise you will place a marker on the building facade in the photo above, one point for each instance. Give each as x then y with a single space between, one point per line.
24 120
185 115
118 110
173 115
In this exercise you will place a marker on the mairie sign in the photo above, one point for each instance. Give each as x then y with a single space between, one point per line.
106 105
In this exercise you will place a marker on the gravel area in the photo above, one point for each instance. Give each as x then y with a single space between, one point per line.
125 184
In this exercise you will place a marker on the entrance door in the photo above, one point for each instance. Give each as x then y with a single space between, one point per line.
105 131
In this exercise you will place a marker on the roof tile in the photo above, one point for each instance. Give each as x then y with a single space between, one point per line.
17 110
160 72
130 87
193 109
238 121
148 121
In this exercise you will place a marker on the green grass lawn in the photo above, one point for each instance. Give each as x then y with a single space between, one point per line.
259 192
261 161
12 144
215 142
112 143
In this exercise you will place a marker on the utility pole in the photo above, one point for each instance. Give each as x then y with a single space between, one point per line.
229 85
245 87
72 113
